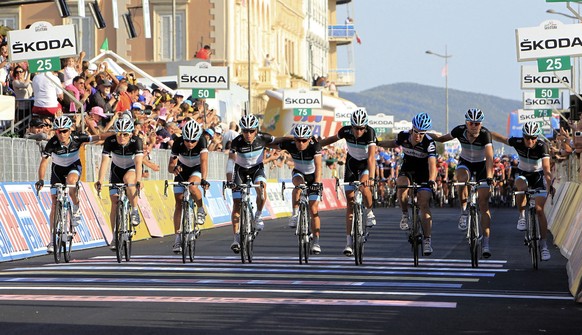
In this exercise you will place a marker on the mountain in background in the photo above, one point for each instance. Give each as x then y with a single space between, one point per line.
404 100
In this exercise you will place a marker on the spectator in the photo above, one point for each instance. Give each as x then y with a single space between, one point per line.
77 89
95 121
103 97
4 62
21 83
268 60
37 130
46 94
230 135
73 67
203 53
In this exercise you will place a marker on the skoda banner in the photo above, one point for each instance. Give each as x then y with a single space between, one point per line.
302 98
551 38
531 78
203 76
42 41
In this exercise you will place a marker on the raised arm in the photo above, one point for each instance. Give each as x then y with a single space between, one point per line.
498 137
329 140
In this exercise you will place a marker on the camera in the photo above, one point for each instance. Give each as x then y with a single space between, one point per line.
578 134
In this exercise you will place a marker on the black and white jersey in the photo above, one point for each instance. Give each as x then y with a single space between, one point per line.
65 155
530 159
250 154
358 147
122 155
187 157
304 160
472 152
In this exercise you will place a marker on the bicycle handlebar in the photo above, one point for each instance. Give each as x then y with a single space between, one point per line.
182 183
529 191
301 186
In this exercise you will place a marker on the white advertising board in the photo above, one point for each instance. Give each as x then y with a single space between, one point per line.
531 102
531 78
551 38
42 40
381 121
203 75
302 98
401 126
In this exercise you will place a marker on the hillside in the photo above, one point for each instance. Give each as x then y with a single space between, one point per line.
404 100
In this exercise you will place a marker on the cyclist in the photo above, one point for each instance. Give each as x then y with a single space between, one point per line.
360 165
498 176
125 153
418 166
306 153
247 151
442 177
534 172
189 163
476 157
63 149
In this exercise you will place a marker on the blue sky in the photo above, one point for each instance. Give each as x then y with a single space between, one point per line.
480 36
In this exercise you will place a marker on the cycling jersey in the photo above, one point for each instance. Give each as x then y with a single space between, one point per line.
304 160
358 147
188 157
65 155
530 159
249 155
472 152
122 156
415 161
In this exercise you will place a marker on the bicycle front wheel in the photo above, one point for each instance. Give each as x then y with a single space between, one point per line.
59 217
186 228
474 243
244 232
415 236
358 232
303 236
119 233
67 236
534 248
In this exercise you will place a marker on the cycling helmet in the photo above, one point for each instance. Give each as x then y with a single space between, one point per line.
62 122
421 122
497 160
359 118
474 115
302 131
514 157
124 125
249 121
192 131
531 128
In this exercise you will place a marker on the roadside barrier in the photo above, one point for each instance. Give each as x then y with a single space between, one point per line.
24 217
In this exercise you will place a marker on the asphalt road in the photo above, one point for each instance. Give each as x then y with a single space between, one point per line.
155 293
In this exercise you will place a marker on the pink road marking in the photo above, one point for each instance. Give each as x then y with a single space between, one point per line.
231 300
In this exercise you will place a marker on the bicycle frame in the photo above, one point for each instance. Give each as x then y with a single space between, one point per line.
124 231
303 229
63 230
474 225
189 230
415 233
359 230
247 230
532 231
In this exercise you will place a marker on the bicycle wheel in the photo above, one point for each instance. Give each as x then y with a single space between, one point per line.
415 236
302 238
243 230
119 233
57 233
186 228
474 245
534 248
358 232
67 235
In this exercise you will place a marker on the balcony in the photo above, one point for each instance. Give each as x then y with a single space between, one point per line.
341 33
342 77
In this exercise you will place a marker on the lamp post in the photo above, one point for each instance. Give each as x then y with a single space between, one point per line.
446 56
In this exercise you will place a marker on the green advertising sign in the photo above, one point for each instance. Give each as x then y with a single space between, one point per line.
542 113
44 64
553 93
302 111
204 93
554 64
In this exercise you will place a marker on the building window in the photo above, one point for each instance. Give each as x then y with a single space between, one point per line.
85 34
167 37
8 22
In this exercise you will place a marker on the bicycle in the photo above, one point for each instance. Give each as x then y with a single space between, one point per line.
123 231
189 230
452 194
247 230
474 223
532 231
64 230
415 233
303 229
359 229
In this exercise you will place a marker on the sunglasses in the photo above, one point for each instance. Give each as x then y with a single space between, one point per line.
189 141
62 131
531 138
421 133
249 131
474 124
359 128
81 83
124 134
302 140
19 71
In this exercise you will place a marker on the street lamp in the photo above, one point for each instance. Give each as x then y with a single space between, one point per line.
446 56
551 11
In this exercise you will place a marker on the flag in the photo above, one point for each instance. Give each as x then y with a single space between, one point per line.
445 71
105 45
358 39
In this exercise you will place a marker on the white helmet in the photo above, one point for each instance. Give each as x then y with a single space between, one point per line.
192 131
302 131
249 121
532 129
124 125
62 122
359 118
